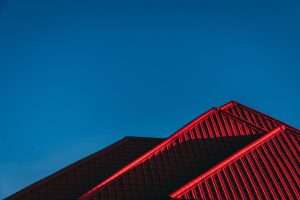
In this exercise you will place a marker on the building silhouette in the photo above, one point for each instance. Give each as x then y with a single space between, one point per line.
229 152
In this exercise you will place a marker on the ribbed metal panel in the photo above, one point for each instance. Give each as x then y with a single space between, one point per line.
76 179
254 117
177 160
234 152
268 169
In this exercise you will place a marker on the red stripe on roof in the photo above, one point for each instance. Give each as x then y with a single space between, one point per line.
186 189
139 160
228 107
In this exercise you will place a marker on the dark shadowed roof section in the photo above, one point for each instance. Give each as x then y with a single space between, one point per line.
268 168
74 180
229 152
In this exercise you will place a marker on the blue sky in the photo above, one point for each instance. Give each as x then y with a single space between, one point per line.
75 77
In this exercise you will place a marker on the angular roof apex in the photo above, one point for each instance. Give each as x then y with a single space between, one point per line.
234 103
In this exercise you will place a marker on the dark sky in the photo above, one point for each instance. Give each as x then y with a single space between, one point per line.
76 76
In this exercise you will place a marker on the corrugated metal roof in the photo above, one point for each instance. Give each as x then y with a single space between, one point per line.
213 124
268 168
230 152
254 117
74 180
157 177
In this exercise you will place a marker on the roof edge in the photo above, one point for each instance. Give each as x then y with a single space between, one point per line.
229 104
148 154
233 103
74 164
228 160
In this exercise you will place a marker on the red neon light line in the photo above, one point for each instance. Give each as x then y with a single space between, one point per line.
225 162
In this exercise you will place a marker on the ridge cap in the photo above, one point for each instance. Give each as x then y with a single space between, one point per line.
149 153
228 160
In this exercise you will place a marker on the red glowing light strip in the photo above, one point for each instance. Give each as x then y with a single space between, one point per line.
142 158
227 161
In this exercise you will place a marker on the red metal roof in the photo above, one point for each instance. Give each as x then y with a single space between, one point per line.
268 168
215 123
284 152
254 117
230 152
74 180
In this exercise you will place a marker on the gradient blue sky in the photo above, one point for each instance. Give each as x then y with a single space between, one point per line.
75 77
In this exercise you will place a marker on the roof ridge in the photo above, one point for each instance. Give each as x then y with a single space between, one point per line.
170 139
229 104
140 159
229 160
233 103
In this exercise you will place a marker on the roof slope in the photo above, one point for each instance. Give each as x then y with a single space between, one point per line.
231 152
254 117
74 180
131 182
268 168
191 189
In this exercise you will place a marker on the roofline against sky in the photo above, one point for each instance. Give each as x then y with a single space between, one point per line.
177 134
229 160
173 137
233 103
139 160
76 164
